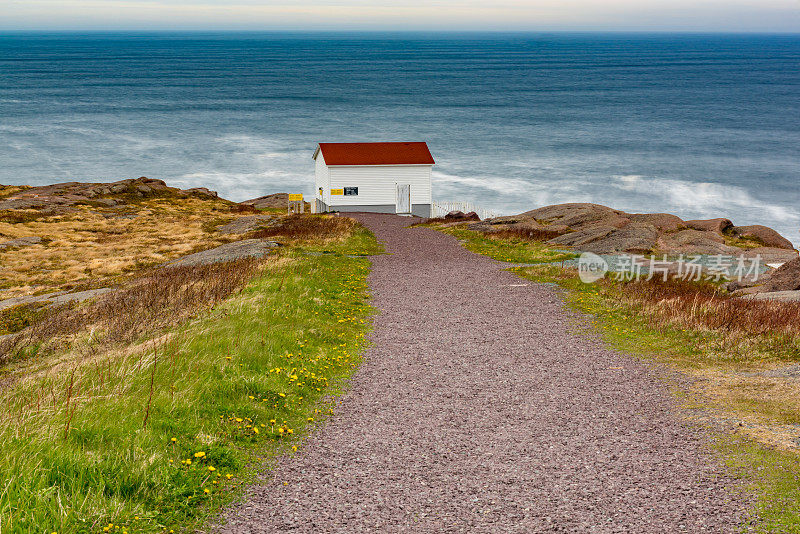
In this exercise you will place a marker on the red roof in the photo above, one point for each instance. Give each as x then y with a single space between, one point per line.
376 154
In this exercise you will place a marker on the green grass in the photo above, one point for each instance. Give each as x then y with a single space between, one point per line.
107 442
771 476
511 250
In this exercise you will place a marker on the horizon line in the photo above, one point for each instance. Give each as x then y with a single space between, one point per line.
397 31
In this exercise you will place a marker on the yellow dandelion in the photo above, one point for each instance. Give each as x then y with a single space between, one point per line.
212 468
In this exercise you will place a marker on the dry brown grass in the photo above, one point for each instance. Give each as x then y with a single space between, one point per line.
94 247
162 298
8 190
531 234
308 227
705 307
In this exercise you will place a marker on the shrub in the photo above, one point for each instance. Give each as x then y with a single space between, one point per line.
525 234
306 227
159 299
705 306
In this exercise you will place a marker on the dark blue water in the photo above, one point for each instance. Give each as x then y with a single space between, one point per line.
696 125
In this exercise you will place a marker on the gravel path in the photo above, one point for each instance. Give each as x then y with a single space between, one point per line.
478 410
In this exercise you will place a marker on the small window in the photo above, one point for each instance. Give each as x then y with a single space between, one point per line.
350 191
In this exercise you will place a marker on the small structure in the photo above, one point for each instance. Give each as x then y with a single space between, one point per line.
375 177
295 203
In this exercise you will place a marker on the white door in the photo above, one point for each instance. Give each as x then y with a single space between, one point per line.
403 199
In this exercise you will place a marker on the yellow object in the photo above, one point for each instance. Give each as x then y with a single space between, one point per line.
337 191
295 197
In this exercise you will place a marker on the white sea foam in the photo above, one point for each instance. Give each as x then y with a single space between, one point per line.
703 199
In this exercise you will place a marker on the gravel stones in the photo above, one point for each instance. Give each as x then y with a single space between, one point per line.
479 409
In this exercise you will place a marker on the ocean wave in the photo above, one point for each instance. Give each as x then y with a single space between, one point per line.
703 199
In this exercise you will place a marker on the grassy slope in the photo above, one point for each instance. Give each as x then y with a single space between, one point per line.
237 385
773 475
98 246
511 250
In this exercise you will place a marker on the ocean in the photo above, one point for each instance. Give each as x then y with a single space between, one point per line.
697 125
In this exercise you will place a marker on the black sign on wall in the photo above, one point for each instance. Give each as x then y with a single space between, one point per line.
350 191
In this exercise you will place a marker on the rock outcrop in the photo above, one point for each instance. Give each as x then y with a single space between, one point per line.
20 242
784 278
247 248
57 198
761 234
457 215
275 200
718 226
242 225
603 230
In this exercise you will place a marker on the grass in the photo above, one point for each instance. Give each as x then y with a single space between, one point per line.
102 246
161 433
773 476
307 227
517 249
8 190
159 299
16 318
725 343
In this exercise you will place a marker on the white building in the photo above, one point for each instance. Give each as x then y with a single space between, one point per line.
376 177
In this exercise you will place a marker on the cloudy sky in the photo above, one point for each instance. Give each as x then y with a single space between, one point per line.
670 15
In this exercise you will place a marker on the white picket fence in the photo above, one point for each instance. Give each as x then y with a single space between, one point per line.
440 209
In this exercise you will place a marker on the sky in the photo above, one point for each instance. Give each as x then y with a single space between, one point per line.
383 15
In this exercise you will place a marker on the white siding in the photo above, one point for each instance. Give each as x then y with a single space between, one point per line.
322 178
377 183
